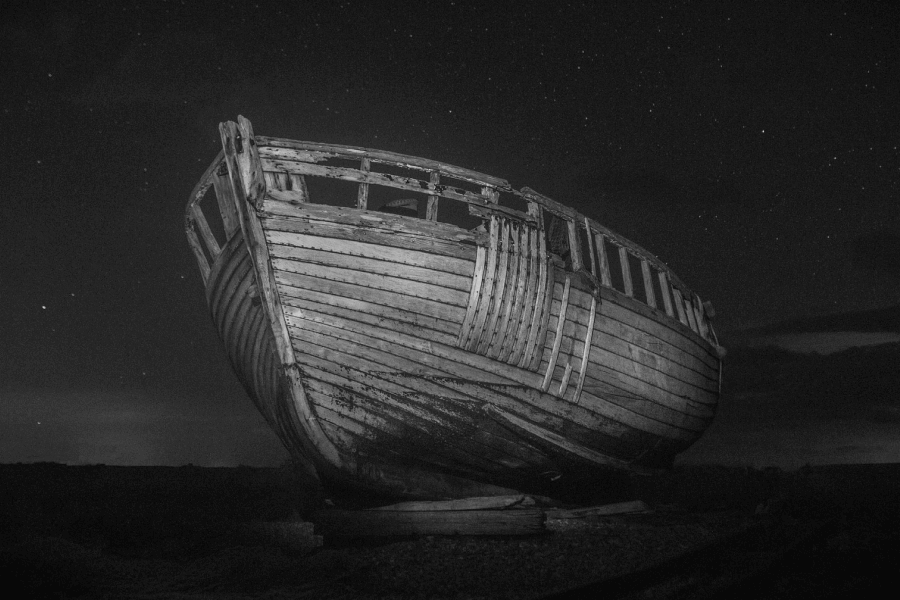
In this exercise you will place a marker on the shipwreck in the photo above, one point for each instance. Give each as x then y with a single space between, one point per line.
393 350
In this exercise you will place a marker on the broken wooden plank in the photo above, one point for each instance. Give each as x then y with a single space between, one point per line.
619 508
385 523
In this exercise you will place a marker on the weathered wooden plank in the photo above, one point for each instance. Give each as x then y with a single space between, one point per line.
679 305
374 266
431 209
605 277
245 168
500 290
382 156
640 318
353 248
425 244
520 314
590 241
370 310
487 293
362 196
368 219
225 200
520 521
194 243
409 184
396 299
634 359
574 246
564 380
626 272
465 331
516 283
537 331
585 355
415 289
212 245
424 391
557 339
664 290
412 426
648 284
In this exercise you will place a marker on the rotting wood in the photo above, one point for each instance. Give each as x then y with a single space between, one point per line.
362 200
431 209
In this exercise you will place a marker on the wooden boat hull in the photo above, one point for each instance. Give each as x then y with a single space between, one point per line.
415 358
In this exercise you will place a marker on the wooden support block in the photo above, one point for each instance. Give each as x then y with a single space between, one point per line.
386 523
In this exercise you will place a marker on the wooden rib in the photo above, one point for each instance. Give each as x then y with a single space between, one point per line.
474 298
648 284
362 196
490 328
679 305
605 277
626 271
702 325
537 350
205 232
431 209
664 290
194 243
488 292
574 246
689 311
557 341
526 296
541 305
564 382
586 352
590 240
225 199
298 184
511 317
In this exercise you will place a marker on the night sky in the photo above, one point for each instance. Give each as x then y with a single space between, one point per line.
755 150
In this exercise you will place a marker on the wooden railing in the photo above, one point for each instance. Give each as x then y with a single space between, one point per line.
606 257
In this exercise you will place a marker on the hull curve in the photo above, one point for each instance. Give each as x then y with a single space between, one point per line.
414 358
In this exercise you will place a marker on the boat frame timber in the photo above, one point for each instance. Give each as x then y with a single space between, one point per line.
413 357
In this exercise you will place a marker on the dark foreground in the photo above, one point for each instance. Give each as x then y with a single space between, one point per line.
156 532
